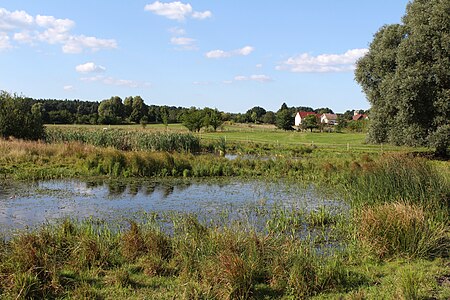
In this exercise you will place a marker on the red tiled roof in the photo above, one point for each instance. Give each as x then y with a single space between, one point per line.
359 117
306 113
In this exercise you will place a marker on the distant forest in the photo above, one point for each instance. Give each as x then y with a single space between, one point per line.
133 110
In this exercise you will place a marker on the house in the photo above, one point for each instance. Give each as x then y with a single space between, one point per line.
330 119
357 117
301 115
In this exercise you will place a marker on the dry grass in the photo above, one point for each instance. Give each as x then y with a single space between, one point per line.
400 229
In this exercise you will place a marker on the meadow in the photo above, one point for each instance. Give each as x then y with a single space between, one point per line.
393 243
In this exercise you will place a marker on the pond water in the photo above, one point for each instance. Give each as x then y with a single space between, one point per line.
30 204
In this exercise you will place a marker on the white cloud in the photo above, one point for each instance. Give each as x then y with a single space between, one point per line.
4 41
324 63
89 67
259 78
176 10
68 88
14 20
25 28
202 15
259 66
202 83
182 41
76 44
23 37
116 82
223 54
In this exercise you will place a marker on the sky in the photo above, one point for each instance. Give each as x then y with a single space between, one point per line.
226 54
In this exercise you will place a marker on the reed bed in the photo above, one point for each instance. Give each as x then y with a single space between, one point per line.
136 140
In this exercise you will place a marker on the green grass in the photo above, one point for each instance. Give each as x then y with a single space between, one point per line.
245 134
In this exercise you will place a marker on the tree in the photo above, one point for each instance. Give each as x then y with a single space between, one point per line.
269 118
405 76
138 109
310 122
20 118
111 111
323 110
193 119
213 118
255 114
284 118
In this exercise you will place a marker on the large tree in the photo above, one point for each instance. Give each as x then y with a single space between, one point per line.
20 118
405 76
284 118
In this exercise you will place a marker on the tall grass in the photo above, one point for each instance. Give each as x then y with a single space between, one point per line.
209 262
399 229
397 177
126 140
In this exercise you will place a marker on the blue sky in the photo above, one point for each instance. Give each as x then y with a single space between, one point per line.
228 54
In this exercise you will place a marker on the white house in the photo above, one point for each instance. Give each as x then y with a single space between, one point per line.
299 116
330 119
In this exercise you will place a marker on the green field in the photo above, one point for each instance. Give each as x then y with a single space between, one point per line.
266 134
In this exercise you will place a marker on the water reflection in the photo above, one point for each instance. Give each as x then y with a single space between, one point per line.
33 203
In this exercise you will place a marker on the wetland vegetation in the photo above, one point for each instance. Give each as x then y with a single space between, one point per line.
383 233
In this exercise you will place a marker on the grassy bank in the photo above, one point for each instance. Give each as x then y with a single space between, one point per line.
89 260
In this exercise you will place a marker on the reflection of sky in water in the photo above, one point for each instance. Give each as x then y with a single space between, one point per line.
30 204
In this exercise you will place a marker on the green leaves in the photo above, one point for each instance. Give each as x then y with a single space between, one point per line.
405 75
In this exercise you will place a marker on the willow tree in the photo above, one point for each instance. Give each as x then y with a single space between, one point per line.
406 77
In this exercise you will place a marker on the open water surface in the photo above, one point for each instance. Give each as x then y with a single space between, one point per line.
30 204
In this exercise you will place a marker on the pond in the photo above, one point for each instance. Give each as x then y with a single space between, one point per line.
30 204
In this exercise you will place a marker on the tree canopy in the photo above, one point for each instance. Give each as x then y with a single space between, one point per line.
20 118
406 78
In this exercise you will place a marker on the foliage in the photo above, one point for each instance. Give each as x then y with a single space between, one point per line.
405 75
213 118
284 118
127 140
310 122
20 118
111 111
194 119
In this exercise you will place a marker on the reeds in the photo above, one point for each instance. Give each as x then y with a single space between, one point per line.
400 229
127 140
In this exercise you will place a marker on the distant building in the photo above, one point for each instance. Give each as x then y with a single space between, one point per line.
299 116
330 119
357 116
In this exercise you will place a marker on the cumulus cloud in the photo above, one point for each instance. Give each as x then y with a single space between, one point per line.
324 63
68 88
76 44
23 37
176 10
25 28
116 82
89 67
10 21
223 54
259 78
